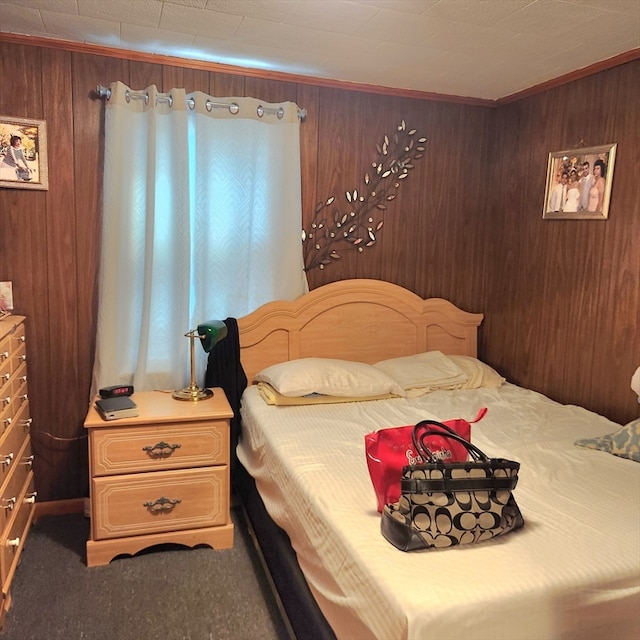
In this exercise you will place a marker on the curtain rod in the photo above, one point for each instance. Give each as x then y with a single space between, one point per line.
105 92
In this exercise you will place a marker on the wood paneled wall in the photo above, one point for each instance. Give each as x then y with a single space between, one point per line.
560 297
563 305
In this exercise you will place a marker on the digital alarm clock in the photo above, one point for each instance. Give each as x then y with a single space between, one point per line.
116 391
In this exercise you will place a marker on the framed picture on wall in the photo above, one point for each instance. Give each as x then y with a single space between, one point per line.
23 153
579 183
6 298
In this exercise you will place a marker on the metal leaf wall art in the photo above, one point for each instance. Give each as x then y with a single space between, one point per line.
357 223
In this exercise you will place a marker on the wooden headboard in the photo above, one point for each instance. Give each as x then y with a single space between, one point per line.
360 320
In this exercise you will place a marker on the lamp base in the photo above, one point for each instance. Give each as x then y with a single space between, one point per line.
192 393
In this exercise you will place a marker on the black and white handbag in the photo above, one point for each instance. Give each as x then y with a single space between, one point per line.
444 504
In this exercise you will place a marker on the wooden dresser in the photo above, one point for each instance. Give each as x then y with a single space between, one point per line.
17 495
159 477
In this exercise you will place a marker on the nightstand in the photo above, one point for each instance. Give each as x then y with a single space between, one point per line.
160 477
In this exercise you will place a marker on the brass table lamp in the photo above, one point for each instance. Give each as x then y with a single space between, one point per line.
210 333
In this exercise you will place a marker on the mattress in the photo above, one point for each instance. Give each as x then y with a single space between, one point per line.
573 571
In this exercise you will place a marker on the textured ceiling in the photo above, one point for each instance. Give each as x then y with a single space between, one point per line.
484 49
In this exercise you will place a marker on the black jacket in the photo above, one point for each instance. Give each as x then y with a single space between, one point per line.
224 370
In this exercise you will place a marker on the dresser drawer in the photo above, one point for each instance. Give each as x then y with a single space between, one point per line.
121 450
19 340
13 535
132 505
14 396
7 404
5 355
19 378
12 440
18 355
14 476
5 369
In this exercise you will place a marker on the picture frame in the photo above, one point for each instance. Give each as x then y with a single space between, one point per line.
6 298
23 153
579 183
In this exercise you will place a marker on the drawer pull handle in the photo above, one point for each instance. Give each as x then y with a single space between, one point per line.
7 459
4 355
161 450
162 505
7 422
27 424
6 400
28 462
13 543
22 339
6 376
9 503
30 498
23 358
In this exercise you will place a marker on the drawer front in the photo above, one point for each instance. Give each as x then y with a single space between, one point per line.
14 476
5 354
20 392
18 338
14 397
12 440
13 535
121 450
18 355
5 365
7 399
159 501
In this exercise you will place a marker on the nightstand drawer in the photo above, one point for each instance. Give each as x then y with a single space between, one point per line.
162 501
138 449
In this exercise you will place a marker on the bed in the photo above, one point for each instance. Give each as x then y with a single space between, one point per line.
573 570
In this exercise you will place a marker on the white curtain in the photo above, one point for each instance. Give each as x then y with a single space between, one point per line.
201 221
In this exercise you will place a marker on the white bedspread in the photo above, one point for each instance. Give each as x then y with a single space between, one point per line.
573 571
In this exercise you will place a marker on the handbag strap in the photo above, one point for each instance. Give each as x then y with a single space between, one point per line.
445 431
439 485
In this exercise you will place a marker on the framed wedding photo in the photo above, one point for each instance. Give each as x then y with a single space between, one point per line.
579 183
23 153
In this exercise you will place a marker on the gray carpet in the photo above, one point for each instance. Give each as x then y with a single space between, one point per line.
168 593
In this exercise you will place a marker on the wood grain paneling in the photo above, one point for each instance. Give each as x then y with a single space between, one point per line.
561 298
563 316
175 77
61 330
308 98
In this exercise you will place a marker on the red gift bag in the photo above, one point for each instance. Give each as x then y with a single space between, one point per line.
389 450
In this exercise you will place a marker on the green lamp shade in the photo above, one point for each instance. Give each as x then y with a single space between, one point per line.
211 332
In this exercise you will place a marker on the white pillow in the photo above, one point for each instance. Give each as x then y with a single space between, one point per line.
328 376
479 374
427 371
